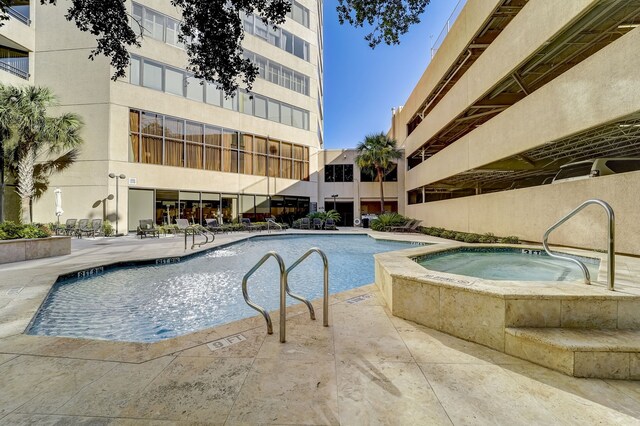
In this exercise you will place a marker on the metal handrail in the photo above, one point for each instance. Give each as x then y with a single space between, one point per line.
283 297
272 222
195 231
611 252
325 300
13 70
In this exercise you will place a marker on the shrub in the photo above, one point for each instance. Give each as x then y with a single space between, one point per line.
472 238
107 229
488 238
460 236
10 230
387 220
448 234
512 239
33 231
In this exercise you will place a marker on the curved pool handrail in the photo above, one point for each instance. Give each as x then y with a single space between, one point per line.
611 267
325 298
283 297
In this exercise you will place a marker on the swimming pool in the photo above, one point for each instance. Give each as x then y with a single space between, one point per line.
507 264
152 303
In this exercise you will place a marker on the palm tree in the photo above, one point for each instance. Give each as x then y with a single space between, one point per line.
35 144
376 154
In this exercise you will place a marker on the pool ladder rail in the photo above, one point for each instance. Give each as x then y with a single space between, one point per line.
611 252
285 290
193 231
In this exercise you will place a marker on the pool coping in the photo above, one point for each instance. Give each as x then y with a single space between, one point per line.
26 305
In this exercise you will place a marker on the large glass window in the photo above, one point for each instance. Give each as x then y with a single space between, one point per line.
260 106
299 13
214 96
338 173
153 24
171 141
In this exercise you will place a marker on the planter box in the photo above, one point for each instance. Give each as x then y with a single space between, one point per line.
21 250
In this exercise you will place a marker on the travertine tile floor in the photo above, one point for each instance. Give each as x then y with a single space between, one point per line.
368 367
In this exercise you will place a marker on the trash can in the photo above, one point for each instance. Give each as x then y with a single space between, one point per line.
365 222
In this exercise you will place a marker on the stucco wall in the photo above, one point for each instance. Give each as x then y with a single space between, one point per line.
528 212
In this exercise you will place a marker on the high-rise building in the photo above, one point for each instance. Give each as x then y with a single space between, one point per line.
185 149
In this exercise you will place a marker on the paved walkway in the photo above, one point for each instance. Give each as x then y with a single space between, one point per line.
368 367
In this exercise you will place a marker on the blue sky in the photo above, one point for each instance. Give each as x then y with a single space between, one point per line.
362 85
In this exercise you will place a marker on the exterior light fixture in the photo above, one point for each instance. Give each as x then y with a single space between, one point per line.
117 178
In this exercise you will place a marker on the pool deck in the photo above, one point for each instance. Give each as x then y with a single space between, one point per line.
367 367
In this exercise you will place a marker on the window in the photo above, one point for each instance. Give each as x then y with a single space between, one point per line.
299 13
195 89
171 33
338 173
260 107
152 75
134 71
178 82
278 74
214 96
153 24
278 37
274 111
367 176
285 114
174 81
246 103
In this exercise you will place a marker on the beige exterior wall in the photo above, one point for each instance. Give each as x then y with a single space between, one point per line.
84 87
356 191
528 213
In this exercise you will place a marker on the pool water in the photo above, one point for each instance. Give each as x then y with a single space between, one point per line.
152 303
508 265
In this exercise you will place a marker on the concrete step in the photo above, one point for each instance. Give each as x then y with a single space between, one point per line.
600 353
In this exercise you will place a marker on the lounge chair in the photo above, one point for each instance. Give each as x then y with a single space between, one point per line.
305 223
414 227
330 224
68 228
183 225
213 226
147 228
317 223
402 228
246 223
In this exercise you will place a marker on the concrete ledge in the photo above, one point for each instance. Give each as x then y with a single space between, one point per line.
604 354
21 250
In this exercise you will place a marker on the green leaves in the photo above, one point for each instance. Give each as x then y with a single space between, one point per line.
377 153
389 18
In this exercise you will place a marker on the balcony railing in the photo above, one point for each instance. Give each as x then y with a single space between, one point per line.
21 13
454 15
16 66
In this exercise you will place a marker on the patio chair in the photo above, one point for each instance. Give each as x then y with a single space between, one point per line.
147 228
90 230
305 223
246 223
83 224
213 226
317 223
330 224
401 228
67 228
